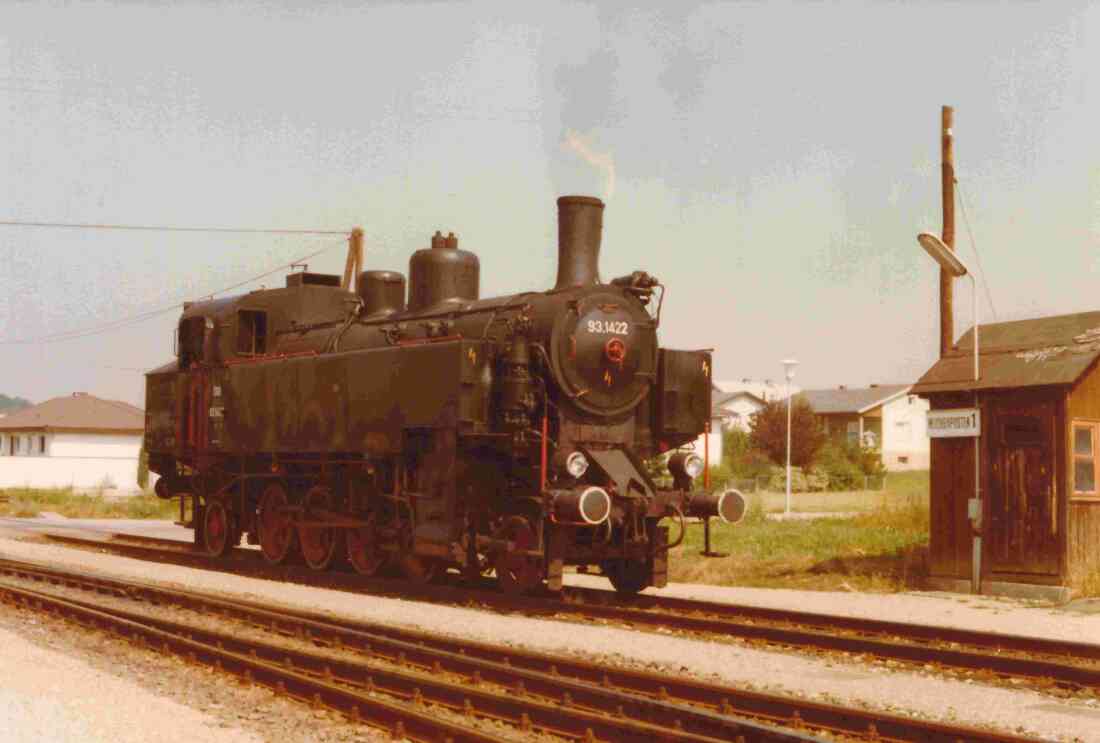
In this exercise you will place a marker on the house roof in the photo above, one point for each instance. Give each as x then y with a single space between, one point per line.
77 412
1022 353
852 400
724 397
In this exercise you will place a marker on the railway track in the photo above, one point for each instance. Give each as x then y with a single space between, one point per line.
608 702
1043 663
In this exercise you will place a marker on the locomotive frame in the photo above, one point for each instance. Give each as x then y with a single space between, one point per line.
504 434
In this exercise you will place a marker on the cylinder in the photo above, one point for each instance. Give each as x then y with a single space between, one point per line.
580 229
382 292
588 505
729 506
442 273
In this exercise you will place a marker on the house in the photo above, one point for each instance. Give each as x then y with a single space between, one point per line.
765 390
730 409
1026 519
886 417
78 441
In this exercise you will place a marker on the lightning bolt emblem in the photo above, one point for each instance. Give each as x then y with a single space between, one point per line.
607 378
706 368
472 355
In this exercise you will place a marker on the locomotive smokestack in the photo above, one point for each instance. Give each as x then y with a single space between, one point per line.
580 226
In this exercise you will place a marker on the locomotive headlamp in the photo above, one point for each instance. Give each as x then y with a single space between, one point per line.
685 465
576 464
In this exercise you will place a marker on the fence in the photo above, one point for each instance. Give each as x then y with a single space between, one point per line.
766 483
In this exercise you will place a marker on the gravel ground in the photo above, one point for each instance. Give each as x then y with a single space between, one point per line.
51 693
1078 621
907 692
65 683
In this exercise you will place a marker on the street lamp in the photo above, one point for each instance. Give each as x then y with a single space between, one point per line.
788 371
953 265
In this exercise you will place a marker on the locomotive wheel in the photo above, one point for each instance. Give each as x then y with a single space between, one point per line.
320 545
417 569
217 529
516 573
362 549
278 536
627 576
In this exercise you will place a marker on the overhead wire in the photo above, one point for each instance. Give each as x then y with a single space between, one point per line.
977 255
150 314
169 228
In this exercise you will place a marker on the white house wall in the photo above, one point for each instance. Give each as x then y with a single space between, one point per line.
77 460
700 443
744 407
905 434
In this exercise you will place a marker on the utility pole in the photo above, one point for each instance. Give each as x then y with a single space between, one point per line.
947 293
354 263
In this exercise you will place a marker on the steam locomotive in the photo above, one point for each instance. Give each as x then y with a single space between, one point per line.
504 435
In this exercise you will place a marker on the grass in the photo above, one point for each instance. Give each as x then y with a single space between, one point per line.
29 502
882 548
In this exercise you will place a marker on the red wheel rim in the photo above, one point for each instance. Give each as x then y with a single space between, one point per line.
216 528
318 544
276 527
362 549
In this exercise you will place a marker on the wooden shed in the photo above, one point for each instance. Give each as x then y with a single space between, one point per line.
1039 453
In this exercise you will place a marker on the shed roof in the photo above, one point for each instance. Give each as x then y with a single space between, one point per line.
77 412
852 400
1022 353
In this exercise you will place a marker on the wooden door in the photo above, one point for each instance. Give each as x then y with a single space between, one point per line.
1022 534
952 485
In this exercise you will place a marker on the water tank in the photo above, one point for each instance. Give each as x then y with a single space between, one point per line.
442 273
382 292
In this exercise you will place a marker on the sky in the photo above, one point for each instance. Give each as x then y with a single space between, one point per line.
771 163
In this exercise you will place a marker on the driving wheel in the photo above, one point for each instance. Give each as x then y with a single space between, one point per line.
278 537
362 548
518 573
217 529
418 569
627 576
319 544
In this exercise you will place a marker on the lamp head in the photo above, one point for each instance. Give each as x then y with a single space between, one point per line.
788 368
942 254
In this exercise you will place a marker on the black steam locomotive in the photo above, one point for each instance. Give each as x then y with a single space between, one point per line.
448 431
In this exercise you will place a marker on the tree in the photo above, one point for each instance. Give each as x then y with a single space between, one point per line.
12 404
768 428
739 456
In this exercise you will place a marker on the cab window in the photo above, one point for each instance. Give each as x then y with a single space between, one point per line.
251 333
191 339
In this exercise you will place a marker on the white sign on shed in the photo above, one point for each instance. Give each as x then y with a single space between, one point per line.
954 423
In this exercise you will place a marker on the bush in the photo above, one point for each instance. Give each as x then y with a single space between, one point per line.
868 459
769 432
842 473
143 468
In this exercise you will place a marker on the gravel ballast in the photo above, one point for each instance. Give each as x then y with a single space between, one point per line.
874 686
49 695
964 611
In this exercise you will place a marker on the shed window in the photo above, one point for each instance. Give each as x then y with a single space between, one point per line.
1084 458
251 333
41 444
